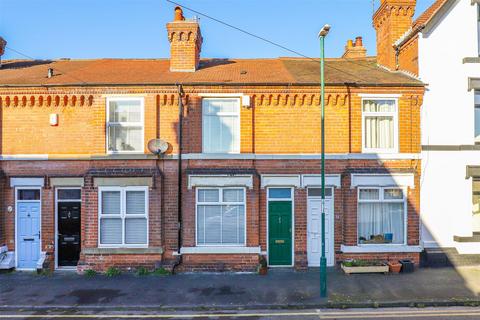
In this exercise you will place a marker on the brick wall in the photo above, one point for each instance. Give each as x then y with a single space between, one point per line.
279 121
392 19
287 124
408 56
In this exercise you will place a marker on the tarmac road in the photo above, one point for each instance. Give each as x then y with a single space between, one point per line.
455 313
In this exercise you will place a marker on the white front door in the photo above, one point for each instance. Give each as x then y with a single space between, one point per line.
314 231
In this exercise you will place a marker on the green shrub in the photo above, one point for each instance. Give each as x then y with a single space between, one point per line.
90 273
142 271
161 272
44 272
112 272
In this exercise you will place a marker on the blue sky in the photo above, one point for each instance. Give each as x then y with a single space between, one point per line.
50 29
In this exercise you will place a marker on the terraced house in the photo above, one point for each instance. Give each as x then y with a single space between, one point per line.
237 172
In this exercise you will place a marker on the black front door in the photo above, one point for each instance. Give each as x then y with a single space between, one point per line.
68 233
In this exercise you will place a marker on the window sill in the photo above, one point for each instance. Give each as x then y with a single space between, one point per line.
471 60
100 251
220 250
125 156
374 248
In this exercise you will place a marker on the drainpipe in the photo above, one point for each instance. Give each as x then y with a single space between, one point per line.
179 191
397 58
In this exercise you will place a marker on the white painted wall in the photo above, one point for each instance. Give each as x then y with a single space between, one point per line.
448 119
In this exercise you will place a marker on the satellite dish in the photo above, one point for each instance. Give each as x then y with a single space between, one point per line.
157 146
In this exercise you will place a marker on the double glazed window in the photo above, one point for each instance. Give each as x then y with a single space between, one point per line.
221 216
125 125
123 216
476 196
379 118
221 125
381 216
477 116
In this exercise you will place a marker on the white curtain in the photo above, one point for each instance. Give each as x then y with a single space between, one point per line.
379 130
376 218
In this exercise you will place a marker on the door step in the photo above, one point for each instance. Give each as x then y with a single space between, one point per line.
446 257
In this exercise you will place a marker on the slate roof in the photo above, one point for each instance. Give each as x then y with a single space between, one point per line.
294 71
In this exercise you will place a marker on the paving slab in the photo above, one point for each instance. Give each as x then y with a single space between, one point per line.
278 289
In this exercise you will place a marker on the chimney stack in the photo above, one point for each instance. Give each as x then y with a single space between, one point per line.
355 50
3 44
391 21
185 43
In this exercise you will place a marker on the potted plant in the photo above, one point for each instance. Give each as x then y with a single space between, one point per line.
364 266
394 266
262 266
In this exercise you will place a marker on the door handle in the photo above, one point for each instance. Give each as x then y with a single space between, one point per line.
28 239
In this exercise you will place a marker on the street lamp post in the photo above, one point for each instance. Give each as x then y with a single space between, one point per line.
323 260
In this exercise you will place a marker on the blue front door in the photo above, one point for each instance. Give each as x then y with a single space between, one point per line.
28 234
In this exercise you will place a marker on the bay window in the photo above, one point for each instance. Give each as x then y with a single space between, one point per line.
381 216
123 216
379 117
221 125
220 216
125 125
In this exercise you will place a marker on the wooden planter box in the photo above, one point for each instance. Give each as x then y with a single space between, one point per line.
365 269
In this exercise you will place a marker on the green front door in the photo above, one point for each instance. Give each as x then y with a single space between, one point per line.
280 233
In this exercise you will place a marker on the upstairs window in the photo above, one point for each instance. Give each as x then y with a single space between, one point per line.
478 28
379 117
125 125
221 125
476 196
477 116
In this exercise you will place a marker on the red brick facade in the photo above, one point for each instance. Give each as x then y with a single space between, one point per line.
279 135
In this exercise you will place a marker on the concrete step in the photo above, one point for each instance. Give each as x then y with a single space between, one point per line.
445 257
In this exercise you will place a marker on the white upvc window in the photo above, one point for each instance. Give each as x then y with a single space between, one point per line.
380 125
477 116
221 217
221 125
123 217
125 125
478 28
381 215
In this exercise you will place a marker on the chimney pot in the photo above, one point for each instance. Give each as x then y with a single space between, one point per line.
50 73
355 49
178 14
358 42
185 43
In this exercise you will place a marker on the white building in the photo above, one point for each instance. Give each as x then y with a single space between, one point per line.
448 62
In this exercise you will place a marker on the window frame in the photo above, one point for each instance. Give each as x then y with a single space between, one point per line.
382 199
476 106
109 124
237 114
123 216
396 141
220 203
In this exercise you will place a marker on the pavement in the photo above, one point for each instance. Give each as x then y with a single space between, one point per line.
450 313
280 289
